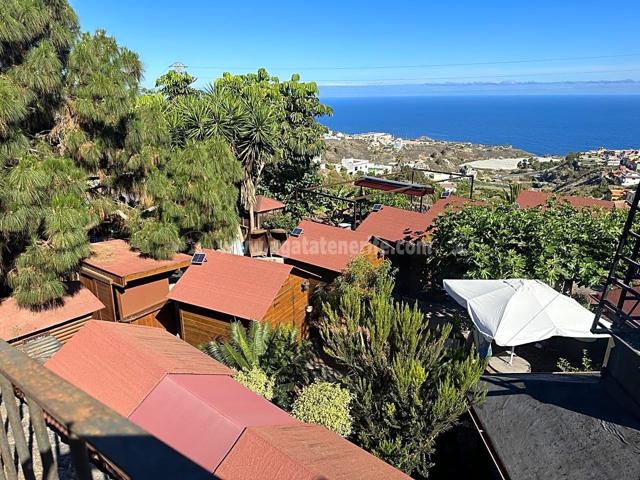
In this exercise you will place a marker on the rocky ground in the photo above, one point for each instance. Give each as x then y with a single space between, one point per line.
434 153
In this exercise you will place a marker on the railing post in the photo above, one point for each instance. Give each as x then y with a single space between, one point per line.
24 454
49 466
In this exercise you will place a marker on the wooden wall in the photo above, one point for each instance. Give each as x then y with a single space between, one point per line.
104 292
139 296
373 253
198 325
162 317
62 332
289 307
141 302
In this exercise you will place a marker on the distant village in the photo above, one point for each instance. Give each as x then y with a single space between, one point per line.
619 167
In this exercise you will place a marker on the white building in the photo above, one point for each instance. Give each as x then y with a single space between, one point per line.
377 168
630 179
353 165
449 187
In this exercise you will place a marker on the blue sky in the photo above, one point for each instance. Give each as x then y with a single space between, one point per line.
374 42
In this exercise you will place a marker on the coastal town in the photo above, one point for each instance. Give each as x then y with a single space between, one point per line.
494 166
199 279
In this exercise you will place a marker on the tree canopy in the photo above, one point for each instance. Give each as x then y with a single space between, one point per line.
43 213
557 244
80 144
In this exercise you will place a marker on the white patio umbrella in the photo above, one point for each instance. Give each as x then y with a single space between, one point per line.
514 312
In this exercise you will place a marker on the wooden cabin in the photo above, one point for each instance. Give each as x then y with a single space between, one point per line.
320 253
192 403
227 288
264 207
404 235
40 332
132 287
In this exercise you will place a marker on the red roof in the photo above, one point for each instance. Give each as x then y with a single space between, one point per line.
324 246
301 452
394 224
18 322
387 185
530 199
266 204
117 257
451 202
203 416
119 364
630 306
189 401
240 286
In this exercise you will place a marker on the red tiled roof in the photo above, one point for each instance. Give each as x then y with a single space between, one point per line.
266 204
324 246
530 199
451 202
203 416
301 452
16 321
120 364
393 224
117 257
240 286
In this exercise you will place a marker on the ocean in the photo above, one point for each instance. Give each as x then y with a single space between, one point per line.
550 124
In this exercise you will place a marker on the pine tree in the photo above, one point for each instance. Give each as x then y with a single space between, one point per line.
43 213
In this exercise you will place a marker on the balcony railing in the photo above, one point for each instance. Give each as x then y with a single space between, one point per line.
37 406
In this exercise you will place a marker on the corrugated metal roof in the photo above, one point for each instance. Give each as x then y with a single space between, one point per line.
117 257
301 452
120 364
530 199
324 246
394 224
240 286
266 204
41 348
16 321
202 416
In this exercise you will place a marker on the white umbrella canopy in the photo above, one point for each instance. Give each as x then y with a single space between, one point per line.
514 312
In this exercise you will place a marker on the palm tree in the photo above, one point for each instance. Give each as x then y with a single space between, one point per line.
249 124
244 347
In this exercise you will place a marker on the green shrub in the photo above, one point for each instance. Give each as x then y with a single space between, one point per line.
409 383
276 350
586 365
326 404
280 220
257 381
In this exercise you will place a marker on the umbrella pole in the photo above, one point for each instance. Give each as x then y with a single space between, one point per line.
513 350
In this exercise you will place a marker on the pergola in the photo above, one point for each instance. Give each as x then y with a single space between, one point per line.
384 184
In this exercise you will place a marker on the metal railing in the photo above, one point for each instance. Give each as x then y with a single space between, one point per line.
37 406
624 274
